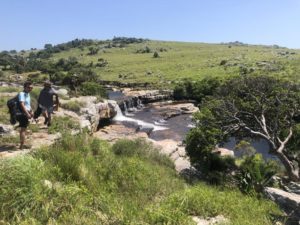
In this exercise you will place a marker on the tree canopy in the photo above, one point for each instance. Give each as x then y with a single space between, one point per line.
251 107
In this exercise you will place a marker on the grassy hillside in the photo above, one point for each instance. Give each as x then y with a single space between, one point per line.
86 181
178 60
187 60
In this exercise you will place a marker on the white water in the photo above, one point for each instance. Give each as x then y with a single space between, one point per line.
120 117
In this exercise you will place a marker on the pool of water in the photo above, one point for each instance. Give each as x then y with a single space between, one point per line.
115 95
178 126
260 145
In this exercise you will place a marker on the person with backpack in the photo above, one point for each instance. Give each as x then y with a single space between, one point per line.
25 111
45 103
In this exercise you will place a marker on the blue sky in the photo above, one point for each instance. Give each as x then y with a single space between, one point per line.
26 24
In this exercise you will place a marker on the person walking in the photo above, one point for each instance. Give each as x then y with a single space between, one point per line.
26 112
45 103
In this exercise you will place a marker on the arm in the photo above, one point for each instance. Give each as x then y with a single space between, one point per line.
28 114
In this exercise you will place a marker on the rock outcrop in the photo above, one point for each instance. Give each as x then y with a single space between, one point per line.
170 109
91 112
289 202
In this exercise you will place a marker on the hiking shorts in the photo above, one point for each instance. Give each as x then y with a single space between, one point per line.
23 121
46 109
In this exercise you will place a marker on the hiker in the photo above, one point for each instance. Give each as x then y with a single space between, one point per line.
45 103
26 111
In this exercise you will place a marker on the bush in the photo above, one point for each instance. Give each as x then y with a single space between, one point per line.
63 124
155 55
196 90
73 105
256 173
38 77
91 88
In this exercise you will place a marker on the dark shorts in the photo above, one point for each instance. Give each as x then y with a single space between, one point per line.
23 121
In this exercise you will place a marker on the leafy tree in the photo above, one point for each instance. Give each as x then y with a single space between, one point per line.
255 107
196 90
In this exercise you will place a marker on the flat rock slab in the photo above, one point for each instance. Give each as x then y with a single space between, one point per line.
115 132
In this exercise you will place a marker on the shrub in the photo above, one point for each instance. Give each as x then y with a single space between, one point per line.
92 88
155 55
73 105
63 124
255 173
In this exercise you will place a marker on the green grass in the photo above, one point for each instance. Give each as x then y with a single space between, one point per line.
4 115
62 125
82 180
8 140
10 89
73 105
207 201
185 60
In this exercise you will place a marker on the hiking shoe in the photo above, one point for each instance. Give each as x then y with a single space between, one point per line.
26 146
46 121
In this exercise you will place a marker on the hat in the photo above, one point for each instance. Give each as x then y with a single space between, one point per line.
47 83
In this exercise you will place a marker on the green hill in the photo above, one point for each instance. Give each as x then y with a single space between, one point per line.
134 61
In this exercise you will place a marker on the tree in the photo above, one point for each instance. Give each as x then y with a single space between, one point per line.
155 55
255 107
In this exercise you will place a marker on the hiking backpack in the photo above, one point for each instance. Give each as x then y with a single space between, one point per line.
14 108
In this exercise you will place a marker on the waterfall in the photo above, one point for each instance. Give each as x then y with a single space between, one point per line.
141 124
139 103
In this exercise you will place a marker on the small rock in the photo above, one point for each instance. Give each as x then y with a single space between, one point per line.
211 221
223 152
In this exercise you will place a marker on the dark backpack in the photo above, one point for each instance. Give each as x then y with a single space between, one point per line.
14 109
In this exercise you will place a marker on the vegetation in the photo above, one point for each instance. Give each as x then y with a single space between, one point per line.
250 107
91 88
197 90
73 105
4 115
178 60
82 180
60 124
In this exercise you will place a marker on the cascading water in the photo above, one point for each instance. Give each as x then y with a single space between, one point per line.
141 124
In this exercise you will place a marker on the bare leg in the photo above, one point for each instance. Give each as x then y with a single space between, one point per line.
22 137
49 119
45 114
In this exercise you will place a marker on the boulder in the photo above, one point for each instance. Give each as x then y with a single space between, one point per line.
62 92
289 202
7 130
223 152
